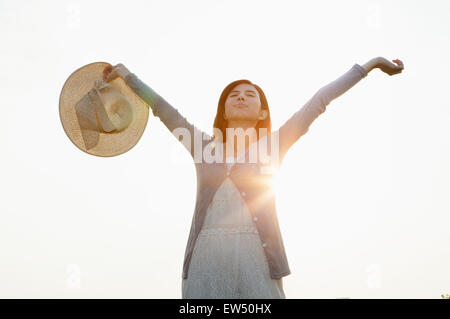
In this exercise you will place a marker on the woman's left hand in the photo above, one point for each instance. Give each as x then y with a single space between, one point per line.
388 67
111 72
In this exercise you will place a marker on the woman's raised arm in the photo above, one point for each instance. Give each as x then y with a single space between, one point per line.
299 123
192 137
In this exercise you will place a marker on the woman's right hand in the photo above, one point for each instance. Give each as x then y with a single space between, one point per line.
112 72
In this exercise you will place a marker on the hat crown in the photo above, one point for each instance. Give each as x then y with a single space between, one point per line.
117 107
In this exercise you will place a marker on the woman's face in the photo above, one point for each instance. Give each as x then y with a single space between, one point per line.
243 103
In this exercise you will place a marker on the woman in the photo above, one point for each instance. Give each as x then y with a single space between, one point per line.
235 249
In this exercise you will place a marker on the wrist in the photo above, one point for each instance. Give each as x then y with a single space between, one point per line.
123 73
376 62
371 64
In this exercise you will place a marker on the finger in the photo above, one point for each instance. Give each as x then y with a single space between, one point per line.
398 62
106 71
399 65
107 76
111 76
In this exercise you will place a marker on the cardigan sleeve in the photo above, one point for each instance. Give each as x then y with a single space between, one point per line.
192 138
298 124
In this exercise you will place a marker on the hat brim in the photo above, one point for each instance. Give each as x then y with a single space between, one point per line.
109 144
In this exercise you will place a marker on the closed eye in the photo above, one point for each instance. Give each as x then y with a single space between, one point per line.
249 94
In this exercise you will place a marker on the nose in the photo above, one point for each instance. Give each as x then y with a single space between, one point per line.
241 98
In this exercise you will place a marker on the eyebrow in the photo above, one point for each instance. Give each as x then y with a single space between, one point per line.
235 91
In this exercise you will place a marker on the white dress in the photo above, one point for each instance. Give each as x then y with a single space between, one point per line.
228 261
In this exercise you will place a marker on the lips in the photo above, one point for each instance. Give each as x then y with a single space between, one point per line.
240 105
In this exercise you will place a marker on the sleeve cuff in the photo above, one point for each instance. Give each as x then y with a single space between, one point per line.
360 69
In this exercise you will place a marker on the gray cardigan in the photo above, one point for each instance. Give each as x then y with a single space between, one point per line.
250 178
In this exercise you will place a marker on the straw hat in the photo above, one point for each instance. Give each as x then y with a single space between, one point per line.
102 119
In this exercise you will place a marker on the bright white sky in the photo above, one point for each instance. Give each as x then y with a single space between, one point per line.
362 199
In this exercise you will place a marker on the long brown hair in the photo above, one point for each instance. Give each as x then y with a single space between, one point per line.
222 124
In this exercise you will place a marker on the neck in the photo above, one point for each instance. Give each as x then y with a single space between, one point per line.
243 124
232 146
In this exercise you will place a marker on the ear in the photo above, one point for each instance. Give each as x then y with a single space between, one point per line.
224 116
263 114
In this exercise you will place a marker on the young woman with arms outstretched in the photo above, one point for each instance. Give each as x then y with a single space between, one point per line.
235 248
